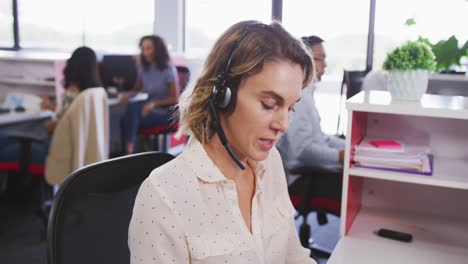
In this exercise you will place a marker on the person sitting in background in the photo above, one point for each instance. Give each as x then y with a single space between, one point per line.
305 144
219 204
157 77
80 73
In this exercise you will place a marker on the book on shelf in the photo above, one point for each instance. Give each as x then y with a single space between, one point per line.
394 155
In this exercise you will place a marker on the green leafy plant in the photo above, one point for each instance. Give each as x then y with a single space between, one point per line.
412 55
447 52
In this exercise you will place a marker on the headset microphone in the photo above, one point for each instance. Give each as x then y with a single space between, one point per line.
221 134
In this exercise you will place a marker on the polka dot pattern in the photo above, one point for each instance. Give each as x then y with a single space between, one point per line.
187 212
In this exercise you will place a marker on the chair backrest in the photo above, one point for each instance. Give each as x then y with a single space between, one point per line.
353 81
119 71
81 136
183 74
92 210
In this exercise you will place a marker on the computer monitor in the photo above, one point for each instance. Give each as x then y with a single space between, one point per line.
119 71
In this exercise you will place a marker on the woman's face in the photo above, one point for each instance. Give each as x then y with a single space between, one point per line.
148 50
262 111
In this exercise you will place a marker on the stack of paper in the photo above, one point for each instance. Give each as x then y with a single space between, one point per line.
393 154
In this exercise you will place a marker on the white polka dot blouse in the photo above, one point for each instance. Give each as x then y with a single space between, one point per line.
186 211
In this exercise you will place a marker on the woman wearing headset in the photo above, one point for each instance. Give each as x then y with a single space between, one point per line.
225 198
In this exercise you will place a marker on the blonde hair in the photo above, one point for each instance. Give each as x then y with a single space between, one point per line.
261 43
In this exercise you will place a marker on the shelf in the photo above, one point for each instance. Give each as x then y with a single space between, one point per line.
35 56
449 77
430 105
447 173
435 240
27 82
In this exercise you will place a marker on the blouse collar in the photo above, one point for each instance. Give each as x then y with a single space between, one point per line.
205 169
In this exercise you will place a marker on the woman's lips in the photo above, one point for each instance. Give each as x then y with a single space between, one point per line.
266 144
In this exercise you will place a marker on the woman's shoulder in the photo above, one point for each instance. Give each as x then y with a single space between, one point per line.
173 172
173 179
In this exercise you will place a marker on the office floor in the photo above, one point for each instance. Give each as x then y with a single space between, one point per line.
21 231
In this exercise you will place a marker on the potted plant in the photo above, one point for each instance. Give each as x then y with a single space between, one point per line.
409 66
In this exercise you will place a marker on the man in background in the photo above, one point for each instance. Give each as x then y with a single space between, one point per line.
305 144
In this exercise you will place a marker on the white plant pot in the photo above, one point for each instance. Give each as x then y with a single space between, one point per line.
408 85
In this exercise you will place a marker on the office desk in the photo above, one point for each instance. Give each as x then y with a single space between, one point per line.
27 116
137 98
116 111
15 117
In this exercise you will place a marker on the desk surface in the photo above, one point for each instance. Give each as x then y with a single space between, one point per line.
15 117
139 97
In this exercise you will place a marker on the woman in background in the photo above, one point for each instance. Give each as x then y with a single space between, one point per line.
80 73
157 77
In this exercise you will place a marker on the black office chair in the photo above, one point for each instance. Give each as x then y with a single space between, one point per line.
351 85
318 189
92 210
119 71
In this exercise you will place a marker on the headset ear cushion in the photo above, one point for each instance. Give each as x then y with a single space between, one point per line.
230 98
225 100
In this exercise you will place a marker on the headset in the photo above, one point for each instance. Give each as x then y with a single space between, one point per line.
223 98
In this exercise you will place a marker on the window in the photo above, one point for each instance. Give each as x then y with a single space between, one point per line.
435 20
342 24
50 23
206 20
118 25
6 24
67 24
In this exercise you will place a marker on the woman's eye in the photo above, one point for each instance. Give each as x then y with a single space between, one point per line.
291 109
267 106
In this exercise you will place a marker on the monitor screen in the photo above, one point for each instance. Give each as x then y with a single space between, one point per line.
119 71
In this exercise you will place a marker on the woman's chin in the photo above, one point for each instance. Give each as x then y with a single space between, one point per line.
260 155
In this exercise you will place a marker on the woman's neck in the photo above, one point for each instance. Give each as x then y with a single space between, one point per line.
218 154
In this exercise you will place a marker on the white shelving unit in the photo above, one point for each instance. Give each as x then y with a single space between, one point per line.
29 72
27 82
431 208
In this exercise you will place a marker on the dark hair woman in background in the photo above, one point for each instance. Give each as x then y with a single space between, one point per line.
157 77
80 73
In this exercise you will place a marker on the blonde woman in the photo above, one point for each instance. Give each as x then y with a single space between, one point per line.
225 199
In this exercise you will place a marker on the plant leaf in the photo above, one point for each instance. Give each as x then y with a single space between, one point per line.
410 21
447 53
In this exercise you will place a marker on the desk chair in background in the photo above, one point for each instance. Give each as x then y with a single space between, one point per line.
119 71
92 210
350 86
316 189
161 137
